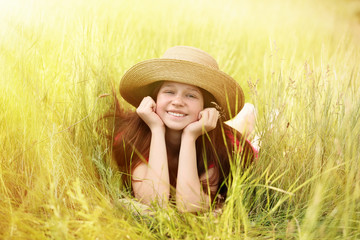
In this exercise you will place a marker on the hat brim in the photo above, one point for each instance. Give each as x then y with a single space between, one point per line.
136 82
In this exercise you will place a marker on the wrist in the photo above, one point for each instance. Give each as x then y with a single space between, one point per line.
157 130
189 136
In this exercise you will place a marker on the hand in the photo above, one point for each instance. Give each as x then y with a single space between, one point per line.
207 121
146 111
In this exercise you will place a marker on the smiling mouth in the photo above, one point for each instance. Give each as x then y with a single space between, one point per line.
176 114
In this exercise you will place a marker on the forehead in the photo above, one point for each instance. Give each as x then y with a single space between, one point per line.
181 85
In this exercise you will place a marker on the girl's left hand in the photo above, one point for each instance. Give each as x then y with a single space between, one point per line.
207 121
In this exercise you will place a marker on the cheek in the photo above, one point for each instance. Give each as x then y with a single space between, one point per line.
197 112
199 107
159 106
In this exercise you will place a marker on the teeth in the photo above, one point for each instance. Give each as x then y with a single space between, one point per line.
176 114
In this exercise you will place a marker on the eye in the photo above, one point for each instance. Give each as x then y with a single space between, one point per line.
190 95
168 91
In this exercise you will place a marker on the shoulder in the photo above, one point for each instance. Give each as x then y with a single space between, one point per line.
238 140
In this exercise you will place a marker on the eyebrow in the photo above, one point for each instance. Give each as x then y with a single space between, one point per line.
187 88
193 89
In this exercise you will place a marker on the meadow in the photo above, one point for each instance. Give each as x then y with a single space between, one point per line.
297 61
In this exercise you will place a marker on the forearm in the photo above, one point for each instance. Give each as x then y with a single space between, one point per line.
155 184
189 195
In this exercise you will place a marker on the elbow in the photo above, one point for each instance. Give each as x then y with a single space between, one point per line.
191 209
142 198
149 198
190 205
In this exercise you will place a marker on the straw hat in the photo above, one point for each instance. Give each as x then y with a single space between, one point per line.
187 65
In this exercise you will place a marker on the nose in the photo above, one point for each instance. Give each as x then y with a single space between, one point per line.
178 100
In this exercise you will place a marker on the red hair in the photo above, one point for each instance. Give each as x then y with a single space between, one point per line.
216 148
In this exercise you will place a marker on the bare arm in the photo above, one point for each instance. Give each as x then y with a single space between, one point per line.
151 181
189 195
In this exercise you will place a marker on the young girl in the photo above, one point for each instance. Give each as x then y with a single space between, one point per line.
176 145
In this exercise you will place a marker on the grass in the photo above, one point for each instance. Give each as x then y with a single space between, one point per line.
298 62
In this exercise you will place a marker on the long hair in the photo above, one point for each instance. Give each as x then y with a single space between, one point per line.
131 145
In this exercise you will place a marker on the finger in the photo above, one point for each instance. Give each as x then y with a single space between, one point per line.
200 115
147 100
144 102
149 103
215 116
154 107
204 115
212 114
212 119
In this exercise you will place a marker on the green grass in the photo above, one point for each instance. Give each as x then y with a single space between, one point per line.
299 59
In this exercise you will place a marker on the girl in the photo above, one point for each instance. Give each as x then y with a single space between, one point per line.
176 145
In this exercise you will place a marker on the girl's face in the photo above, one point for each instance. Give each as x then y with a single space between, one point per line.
179 104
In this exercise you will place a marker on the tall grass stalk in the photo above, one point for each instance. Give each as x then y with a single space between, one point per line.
298 62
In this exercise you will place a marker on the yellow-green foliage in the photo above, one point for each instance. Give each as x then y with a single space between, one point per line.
298 62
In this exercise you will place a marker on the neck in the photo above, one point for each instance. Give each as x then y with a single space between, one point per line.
173 140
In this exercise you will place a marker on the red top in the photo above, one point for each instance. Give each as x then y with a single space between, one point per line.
230 135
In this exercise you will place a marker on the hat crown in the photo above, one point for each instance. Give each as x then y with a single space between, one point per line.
191 54
186 65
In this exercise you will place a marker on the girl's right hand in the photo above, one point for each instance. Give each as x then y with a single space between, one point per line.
208 119
146 111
